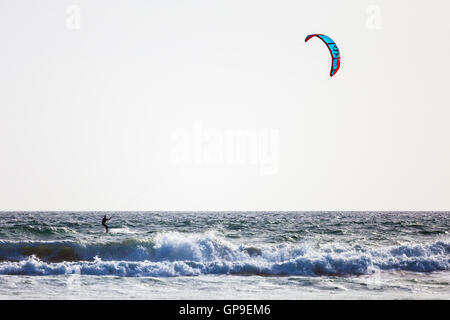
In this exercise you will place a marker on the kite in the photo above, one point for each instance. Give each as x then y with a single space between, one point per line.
335 55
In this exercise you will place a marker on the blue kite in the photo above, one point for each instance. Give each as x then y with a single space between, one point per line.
335 55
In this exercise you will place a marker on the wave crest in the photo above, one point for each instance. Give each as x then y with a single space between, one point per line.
178 254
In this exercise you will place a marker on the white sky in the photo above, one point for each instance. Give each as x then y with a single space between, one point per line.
89 117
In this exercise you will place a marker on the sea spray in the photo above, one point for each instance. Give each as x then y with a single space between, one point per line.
175 254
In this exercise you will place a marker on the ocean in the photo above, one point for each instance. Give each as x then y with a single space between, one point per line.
225 255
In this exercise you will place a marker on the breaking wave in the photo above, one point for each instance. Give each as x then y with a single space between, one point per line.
173 254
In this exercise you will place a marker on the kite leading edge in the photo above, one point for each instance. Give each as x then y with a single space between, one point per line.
335 55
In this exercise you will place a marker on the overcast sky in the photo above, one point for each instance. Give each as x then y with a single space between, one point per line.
220 105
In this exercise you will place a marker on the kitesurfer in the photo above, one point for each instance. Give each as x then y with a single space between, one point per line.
104 222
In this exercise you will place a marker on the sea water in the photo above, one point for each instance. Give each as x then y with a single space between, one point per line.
225 255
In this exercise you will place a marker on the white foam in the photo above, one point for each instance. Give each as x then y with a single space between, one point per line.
178 254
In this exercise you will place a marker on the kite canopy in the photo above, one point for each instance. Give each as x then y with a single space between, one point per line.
335 55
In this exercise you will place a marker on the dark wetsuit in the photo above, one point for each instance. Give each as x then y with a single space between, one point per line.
104 223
